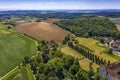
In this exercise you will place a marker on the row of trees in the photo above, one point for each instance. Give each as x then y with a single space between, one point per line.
73 43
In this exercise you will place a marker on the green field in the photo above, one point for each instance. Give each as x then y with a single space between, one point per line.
84 62
97 50
24 73
13 48
2 26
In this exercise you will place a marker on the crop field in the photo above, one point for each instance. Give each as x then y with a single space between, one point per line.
97 50
13 48
118 26
42 31
84 62
24 73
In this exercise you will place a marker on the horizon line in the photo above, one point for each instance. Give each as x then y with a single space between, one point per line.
52 9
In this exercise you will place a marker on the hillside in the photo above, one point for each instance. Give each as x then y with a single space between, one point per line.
42 31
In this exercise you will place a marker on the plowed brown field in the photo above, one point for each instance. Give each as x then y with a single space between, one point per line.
42 31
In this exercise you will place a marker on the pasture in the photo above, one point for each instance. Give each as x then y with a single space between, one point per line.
118 26
97 50
84 62
42 31
13 48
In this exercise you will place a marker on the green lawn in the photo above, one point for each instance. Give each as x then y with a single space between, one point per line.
24 73
13 48
97 50
84 62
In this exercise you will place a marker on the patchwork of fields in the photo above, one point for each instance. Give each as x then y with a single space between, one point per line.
84 62
13 48
42 31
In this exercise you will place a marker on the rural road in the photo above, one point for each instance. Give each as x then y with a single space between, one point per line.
8 73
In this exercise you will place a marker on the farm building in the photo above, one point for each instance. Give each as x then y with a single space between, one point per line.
112 72
116 46
109 39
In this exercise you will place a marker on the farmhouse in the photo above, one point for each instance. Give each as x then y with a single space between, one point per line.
112 72
116 46
109 39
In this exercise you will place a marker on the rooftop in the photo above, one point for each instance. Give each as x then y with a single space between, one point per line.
113 70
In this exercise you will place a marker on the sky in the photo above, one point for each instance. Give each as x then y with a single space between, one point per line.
58 4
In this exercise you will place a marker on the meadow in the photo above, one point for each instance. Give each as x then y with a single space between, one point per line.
13 48
97 50
118 26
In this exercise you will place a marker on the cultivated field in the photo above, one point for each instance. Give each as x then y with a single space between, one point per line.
118 26
42 31
13 48
99 51
84 62
24 73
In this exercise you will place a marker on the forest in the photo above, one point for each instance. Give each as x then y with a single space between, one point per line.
90 27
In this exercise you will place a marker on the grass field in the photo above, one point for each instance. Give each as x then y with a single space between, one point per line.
13 48
118 26
24 73
42 31
99 51
2 26
84 62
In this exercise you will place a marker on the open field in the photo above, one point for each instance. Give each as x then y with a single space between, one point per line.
42 31
68 51
2 26
13 48
84 62
24 73
118 26
97 50
50 20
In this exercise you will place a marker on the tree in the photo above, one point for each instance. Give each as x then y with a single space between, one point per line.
27 59
110 50
9 27
74 69
91 71
82 75
40 77
54 78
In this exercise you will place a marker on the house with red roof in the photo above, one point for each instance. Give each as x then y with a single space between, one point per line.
111 72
